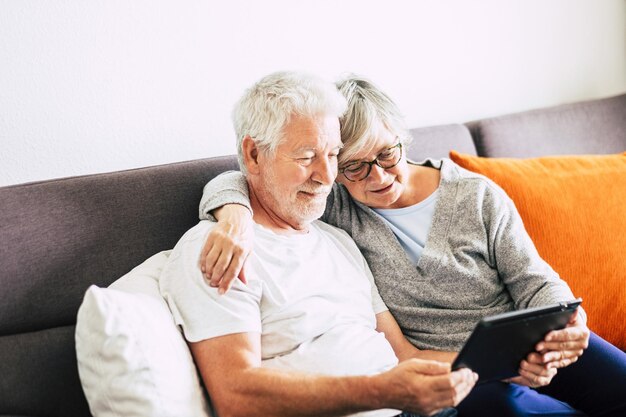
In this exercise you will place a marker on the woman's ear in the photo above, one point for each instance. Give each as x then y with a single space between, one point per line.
250 155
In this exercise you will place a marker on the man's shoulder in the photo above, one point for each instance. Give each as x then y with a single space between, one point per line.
194 238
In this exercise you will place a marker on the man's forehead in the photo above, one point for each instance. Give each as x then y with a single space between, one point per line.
312 132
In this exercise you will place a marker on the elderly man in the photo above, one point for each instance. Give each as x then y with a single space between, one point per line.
308 334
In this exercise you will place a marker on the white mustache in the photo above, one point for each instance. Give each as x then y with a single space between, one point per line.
316 190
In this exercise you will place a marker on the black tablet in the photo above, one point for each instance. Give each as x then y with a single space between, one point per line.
498 344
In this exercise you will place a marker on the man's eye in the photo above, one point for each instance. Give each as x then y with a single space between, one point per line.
306 161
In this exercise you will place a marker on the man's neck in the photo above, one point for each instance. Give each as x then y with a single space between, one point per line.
269 219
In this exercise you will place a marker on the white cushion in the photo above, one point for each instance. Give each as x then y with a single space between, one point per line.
132 358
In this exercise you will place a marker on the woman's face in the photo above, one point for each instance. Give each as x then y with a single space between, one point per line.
382 188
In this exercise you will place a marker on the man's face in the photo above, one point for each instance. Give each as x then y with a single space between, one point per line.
294 182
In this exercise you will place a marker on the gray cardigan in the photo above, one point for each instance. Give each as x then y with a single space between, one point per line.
478 259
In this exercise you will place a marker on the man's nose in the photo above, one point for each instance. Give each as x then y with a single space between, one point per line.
325 170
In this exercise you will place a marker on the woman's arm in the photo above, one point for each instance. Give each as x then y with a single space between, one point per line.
230 187
532 282
225 199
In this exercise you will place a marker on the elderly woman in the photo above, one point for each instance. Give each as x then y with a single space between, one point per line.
446 247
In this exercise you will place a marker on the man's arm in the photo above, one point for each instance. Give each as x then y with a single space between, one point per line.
238 385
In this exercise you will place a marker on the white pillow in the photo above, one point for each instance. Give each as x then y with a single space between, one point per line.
132 358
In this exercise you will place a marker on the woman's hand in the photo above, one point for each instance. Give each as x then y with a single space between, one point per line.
558 349
561 348
533 372
227 246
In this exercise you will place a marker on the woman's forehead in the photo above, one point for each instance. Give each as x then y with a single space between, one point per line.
376 144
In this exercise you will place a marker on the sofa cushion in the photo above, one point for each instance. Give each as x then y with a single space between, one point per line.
132 359
436 141
590 127
38 375
574 209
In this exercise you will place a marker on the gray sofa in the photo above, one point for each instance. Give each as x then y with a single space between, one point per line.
57 237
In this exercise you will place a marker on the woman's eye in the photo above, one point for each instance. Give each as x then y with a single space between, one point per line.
354 168
386 155
306 161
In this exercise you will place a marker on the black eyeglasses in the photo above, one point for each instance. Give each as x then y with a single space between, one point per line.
358 171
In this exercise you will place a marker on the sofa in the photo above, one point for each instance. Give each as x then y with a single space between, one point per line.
58 237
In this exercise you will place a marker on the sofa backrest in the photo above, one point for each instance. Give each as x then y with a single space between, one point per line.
589 127
437 141
58 237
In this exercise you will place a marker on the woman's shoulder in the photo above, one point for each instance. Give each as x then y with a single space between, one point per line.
472 184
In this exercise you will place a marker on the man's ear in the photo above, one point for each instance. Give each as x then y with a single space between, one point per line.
250 154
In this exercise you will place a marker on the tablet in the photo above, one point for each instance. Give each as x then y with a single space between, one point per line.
498 344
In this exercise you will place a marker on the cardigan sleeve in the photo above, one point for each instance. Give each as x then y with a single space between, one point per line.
528 278
229 187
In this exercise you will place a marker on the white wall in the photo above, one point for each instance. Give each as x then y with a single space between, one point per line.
92 86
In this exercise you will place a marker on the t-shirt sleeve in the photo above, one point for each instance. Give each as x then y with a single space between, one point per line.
230 187
377 302
197 307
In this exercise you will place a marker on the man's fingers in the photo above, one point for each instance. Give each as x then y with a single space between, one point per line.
456 378
429 367
463 389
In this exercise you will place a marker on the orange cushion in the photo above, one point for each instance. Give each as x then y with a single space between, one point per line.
574 209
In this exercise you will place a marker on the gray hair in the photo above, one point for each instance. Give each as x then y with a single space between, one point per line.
267 107
368 108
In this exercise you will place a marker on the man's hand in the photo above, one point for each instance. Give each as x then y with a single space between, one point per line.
426 387
561 348
227 247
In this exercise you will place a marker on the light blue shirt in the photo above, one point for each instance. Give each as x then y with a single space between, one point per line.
411 224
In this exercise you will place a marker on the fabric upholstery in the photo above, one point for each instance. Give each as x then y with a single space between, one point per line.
58 237
574 210
436 142
591 127
39 376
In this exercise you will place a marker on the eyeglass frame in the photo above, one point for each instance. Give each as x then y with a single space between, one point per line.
374 161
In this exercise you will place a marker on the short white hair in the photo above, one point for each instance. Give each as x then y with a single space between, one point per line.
267 107
369 108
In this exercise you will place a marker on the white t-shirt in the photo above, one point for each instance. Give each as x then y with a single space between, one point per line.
307 295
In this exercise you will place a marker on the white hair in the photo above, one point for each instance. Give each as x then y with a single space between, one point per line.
267 107
369 108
